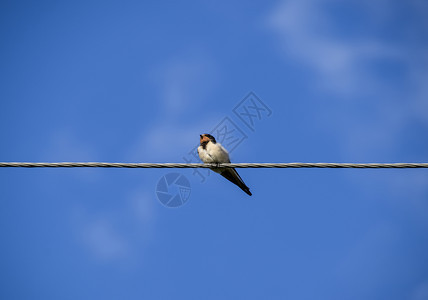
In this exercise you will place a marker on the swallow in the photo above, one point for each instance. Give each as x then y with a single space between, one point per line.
212 152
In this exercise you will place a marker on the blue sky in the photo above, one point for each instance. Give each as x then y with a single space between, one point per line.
139 81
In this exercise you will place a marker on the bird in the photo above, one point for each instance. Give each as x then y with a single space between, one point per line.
212 152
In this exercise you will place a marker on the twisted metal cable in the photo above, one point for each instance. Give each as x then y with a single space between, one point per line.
200 165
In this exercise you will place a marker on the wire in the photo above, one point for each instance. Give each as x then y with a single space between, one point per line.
200 165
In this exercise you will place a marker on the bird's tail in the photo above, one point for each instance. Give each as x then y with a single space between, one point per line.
233 176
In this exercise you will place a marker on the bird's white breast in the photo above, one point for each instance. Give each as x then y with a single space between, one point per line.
204 156
217 152
213 153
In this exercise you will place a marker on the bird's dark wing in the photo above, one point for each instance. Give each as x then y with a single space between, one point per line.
233 176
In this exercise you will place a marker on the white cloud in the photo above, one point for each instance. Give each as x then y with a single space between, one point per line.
142 207
371 255
421 291
343 65
167 141
106 236
66 146
306 33
379 111
104 241
182 84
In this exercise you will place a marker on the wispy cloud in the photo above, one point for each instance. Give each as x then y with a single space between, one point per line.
143 208
309 34
420 292
371 250
182 84
347 66
383 79
109 236
65 145
104 241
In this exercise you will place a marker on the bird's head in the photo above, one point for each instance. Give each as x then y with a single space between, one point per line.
205 138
